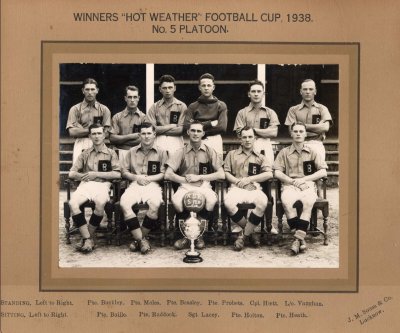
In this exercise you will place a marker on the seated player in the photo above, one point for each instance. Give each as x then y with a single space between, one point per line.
194 167
245 168
144 166
94 168
297 167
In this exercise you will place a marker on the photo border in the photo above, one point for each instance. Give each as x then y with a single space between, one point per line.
53 278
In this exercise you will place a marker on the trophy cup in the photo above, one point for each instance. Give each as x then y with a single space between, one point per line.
193 227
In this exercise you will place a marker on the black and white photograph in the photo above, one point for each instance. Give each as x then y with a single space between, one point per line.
198 165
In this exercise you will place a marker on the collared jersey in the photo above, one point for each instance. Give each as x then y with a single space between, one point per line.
189 161
125 122
139 162
90 158
84 114
256 117
309 115
292 162
241 164
161 114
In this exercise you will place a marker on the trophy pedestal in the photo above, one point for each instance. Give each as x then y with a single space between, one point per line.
192 257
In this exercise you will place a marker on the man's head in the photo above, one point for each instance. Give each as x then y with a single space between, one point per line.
308 90
90 89
132 97
298 132
96 134
206 85
167 86
147 134
195 132
247 137
256 91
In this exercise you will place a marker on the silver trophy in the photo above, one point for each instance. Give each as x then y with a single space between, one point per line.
193 227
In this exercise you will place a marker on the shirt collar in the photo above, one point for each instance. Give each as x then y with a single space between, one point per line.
86 104
163 101
103 149
189 147
154 147
314 103
241 151
292 149
125 112
251 107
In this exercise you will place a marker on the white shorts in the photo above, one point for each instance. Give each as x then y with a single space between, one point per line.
318 147
94 191
80 145
238 195
215 141
205 189
136 193
169 143
265 144
291 193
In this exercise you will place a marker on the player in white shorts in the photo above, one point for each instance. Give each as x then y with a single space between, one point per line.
297 167
194 167
144 166
262 119
94 168
166 115
83 114
244 169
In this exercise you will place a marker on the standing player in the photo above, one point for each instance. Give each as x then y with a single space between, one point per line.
315 116
245 168
165 115
94 168
210 111
297 167
194 167
83 114
144 166
124 133
263 120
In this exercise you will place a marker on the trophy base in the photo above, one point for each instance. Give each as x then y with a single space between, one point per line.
192 257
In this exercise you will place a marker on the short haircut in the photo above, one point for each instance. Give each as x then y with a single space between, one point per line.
166 78
196 122
207 76
308 80
246 128
89 81
131 88
298 123
254 82
95 125
147 125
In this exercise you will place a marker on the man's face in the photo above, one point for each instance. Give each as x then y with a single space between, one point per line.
195 133
167 89
147 136
97 135
90 92
247 138
298 133
256 93
308 91
132 99
206 87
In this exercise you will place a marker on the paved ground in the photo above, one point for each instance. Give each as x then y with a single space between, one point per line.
276 256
